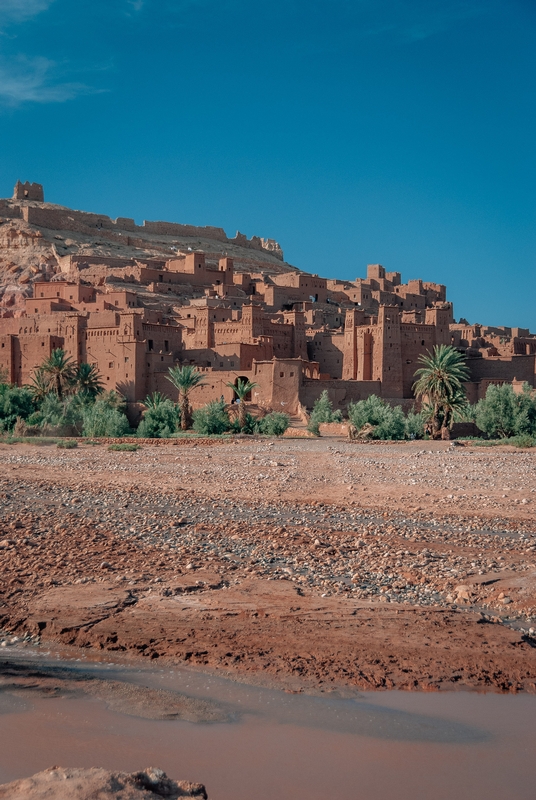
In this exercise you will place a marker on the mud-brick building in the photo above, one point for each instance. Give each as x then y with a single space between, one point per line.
386 348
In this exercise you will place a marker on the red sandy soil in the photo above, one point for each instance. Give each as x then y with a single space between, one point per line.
316 564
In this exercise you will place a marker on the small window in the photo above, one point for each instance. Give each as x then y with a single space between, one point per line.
160 278
166 345
221 363
422 342
281 374
150 345
291 374
35 311
117 303
232 363
110 365
126 359
161 358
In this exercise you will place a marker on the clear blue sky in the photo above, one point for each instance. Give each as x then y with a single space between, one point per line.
353 131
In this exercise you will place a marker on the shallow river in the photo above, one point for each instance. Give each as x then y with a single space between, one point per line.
374 746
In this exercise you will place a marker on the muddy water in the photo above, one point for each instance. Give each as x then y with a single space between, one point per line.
371 746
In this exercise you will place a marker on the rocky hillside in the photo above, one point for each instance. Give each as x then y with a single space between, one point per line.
39 239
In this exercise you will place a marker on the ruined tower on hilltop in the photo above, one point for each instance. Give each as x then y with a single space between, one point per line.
28 191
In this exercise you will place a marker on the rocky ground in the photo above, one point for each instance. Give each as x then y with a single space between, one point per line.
99 784
319 563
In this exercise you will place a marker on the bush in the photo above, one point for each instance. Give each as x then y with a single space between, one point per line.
387 422
414 425
59 416
523 440
273 424
14 402
211 419
502 414
68 444
129 447
160 421
250 424
105 417
322 412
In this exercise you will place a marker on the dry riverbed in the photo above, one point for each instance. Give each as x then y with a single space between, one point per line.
317 564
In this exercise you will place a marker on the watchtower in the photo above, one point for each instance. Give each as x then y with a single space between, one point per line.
28 191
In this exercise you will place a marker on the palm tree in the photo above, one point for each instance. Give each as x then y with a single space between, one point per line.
242 388
185 379
154 400
59 370
39 386
87 380
440 383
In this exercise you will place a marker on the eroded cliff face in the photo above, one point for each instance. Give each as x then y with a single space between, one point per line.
84 784
37 240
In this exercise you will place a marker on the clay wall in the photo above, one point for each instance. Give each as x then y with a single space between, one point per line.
176 229
7 360
328 349
38 306
375 272
9 211
340 392
21 354
411 301
263 395
416 340
520 368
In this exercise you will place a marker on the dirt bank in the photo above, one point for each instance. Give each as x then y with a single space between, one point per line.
318 564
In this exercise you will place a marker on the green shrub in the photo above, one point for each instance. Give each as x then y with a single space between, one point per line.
14 402
496 412
68 444
129 447
60 416
273 424
388 422
211 419
322 412
249 427
503 414
160 421
522 440
105 417
414 425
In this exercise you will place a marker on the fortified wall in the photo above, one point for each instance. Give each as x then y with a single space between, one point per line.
60 219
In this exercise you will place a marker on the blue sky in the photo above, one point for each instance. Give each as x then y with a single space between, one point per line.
353 131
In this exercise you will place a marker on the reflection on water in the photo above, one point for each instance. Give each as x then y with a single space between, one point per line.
370 746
